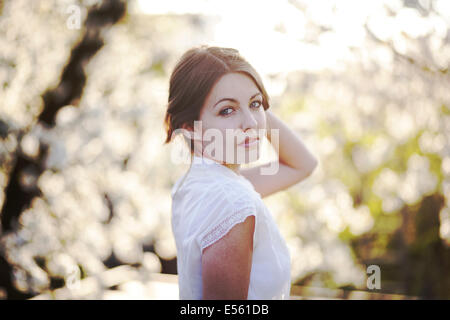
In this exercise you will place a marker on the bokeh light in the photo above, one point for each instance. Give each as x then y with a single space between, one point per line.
364 83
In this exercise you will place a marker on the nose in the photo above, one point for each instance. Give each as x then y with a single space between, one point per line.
248 122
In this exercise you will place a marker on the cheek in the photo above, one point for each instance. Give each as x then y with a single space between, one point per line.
225 123
208 122
261 119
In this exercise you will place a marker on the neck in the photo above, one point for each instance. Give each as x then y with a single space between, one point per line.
233 166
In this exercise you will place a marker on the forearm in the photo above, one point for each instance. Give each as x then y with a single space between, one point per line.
291 150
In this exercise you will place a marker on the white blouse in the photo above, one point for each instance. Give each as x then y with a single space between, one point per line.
206 203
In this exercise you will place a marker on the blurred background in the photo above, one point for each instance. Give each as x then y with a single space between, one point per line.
85 178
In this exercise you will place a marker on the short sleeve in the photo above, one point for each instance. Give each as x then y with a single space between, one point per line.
224 206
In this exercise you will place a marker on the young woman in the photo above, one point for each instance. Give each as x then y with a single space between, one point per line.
228 244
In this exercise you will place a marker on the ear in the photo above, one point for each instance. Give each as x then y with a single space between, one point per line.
188 134
187 126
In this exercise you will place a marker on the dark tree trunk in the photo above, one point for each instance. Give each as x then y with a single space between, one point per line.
69 91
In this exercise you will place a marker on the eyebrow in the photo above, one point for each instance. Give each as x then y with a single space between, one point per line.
234 100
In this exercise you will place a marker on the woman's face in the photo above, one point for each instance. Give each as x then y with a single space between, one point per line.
232 115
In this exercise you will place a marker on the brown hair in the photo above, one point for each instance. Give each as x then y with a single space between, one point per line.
194 76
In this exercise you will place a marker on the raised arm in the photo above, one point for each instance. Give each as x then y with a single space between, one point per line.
295 163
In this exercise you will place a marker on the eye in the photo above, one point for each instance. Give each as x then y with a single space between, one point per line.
257 105
226 111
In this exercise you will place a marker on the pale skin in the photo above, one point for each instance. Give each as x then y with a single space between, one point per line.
236 103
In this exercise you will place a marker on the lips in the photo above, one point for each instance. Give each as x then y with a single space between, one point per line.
249 141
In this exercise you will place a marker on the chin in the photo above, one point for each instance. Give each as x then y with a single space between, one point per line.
240 155
245 155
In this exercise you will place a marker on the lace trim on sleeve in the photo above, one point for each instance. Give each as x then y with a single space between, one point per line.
222 229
